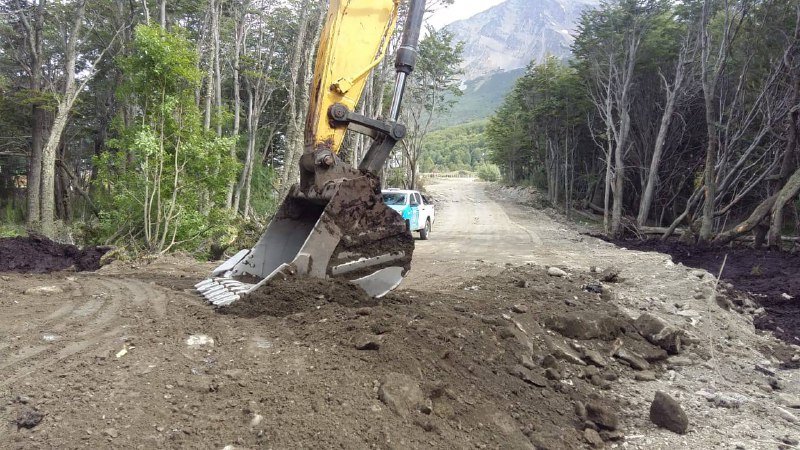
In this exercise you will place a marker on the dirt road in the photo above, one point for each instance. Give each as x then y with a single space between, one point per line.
121 357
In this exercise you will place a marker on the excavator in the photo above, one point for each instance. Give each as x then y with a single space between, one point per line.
334 223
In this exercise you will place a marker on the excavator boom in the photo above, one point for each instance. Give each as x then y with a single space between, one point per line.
353 42
334 224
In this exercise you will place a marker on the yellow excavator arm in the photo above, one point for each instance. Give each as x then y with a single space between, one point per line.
353 42
334 223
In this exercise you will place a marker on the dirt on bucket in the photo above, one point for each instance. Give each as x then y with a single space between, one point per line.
281 298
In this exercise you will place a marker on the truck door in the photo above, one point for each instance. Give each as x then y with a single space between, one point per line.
415 205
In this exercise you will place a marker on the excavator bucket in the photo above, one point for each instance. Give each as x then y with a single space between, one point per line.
354 237
334 224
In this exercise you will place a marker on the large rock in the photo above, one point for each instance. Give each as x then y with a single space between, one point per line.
594 358
610 275
602 416
587 325
199 341
528 376
634 360
556 272
792 401
401 394
657 332
593 438
667 413
43 290
28 419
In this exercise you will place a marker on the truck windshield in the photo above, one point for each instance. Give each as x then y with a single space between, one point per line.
394 198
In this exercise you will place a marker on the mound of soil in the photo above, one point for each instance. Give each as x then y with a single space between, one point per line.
36 254
502 361
281 298
771 278
519 361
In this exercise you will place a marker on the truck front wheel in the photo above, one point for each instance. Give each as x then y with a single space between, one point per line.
426 231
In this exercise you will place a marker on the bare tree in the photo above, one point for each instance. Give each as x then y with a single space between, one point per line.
241 29
792 148
436 77
300 63
612 95
713 62
31 18
261 85
673 92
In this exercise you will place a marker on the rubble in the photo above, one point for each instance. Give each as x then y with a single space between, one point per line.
667 413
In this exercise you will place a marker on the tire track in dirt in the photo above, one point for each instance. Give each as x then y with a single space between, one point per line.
81 325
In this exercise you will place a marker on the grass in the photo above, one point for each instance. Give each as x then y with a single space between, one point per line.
8 230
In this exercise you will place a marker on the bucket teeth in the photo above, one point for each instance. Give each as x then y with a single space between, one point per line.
222 291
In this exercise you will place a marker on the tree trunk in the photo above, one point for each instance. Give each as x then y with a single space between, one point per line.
63 200
712 67
241 33
666 121
709 173
619 186
294 133
791 149
607 189
788 193
247 168
34 29
60 123
217 72
299 94
162 15
209 96
35 166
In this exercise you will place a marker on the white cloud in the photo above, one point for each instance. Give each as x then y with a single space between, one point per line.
461 9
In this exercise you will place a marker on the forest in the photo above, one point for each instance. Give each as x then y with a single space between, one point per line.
671 118
161 125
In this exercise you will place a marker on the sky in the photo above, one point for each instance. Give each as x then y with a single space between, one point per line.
461 9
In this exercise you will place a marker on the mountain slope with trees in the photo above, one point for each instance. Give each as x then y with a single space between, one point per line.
500 42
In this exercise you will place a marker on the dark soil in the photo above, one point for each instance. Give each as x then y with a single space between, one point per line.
505 376
281 298
766 276
36 254
499 362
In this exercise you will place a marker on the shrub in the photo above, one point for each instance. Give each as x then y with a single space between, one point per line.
489 172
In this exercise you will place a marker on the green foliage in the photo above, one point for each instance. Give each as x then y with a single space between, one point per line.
489 172
263 197
438 69
395 178
546 106
162 63
430 93
460 147
12 213
8 230
165 182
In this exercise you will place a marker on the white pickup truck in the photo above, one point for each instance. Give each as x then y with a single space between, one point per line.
416 209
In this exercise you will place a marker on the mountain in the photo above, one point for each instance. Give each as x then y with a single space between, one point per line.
512 34
500 42
480 98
